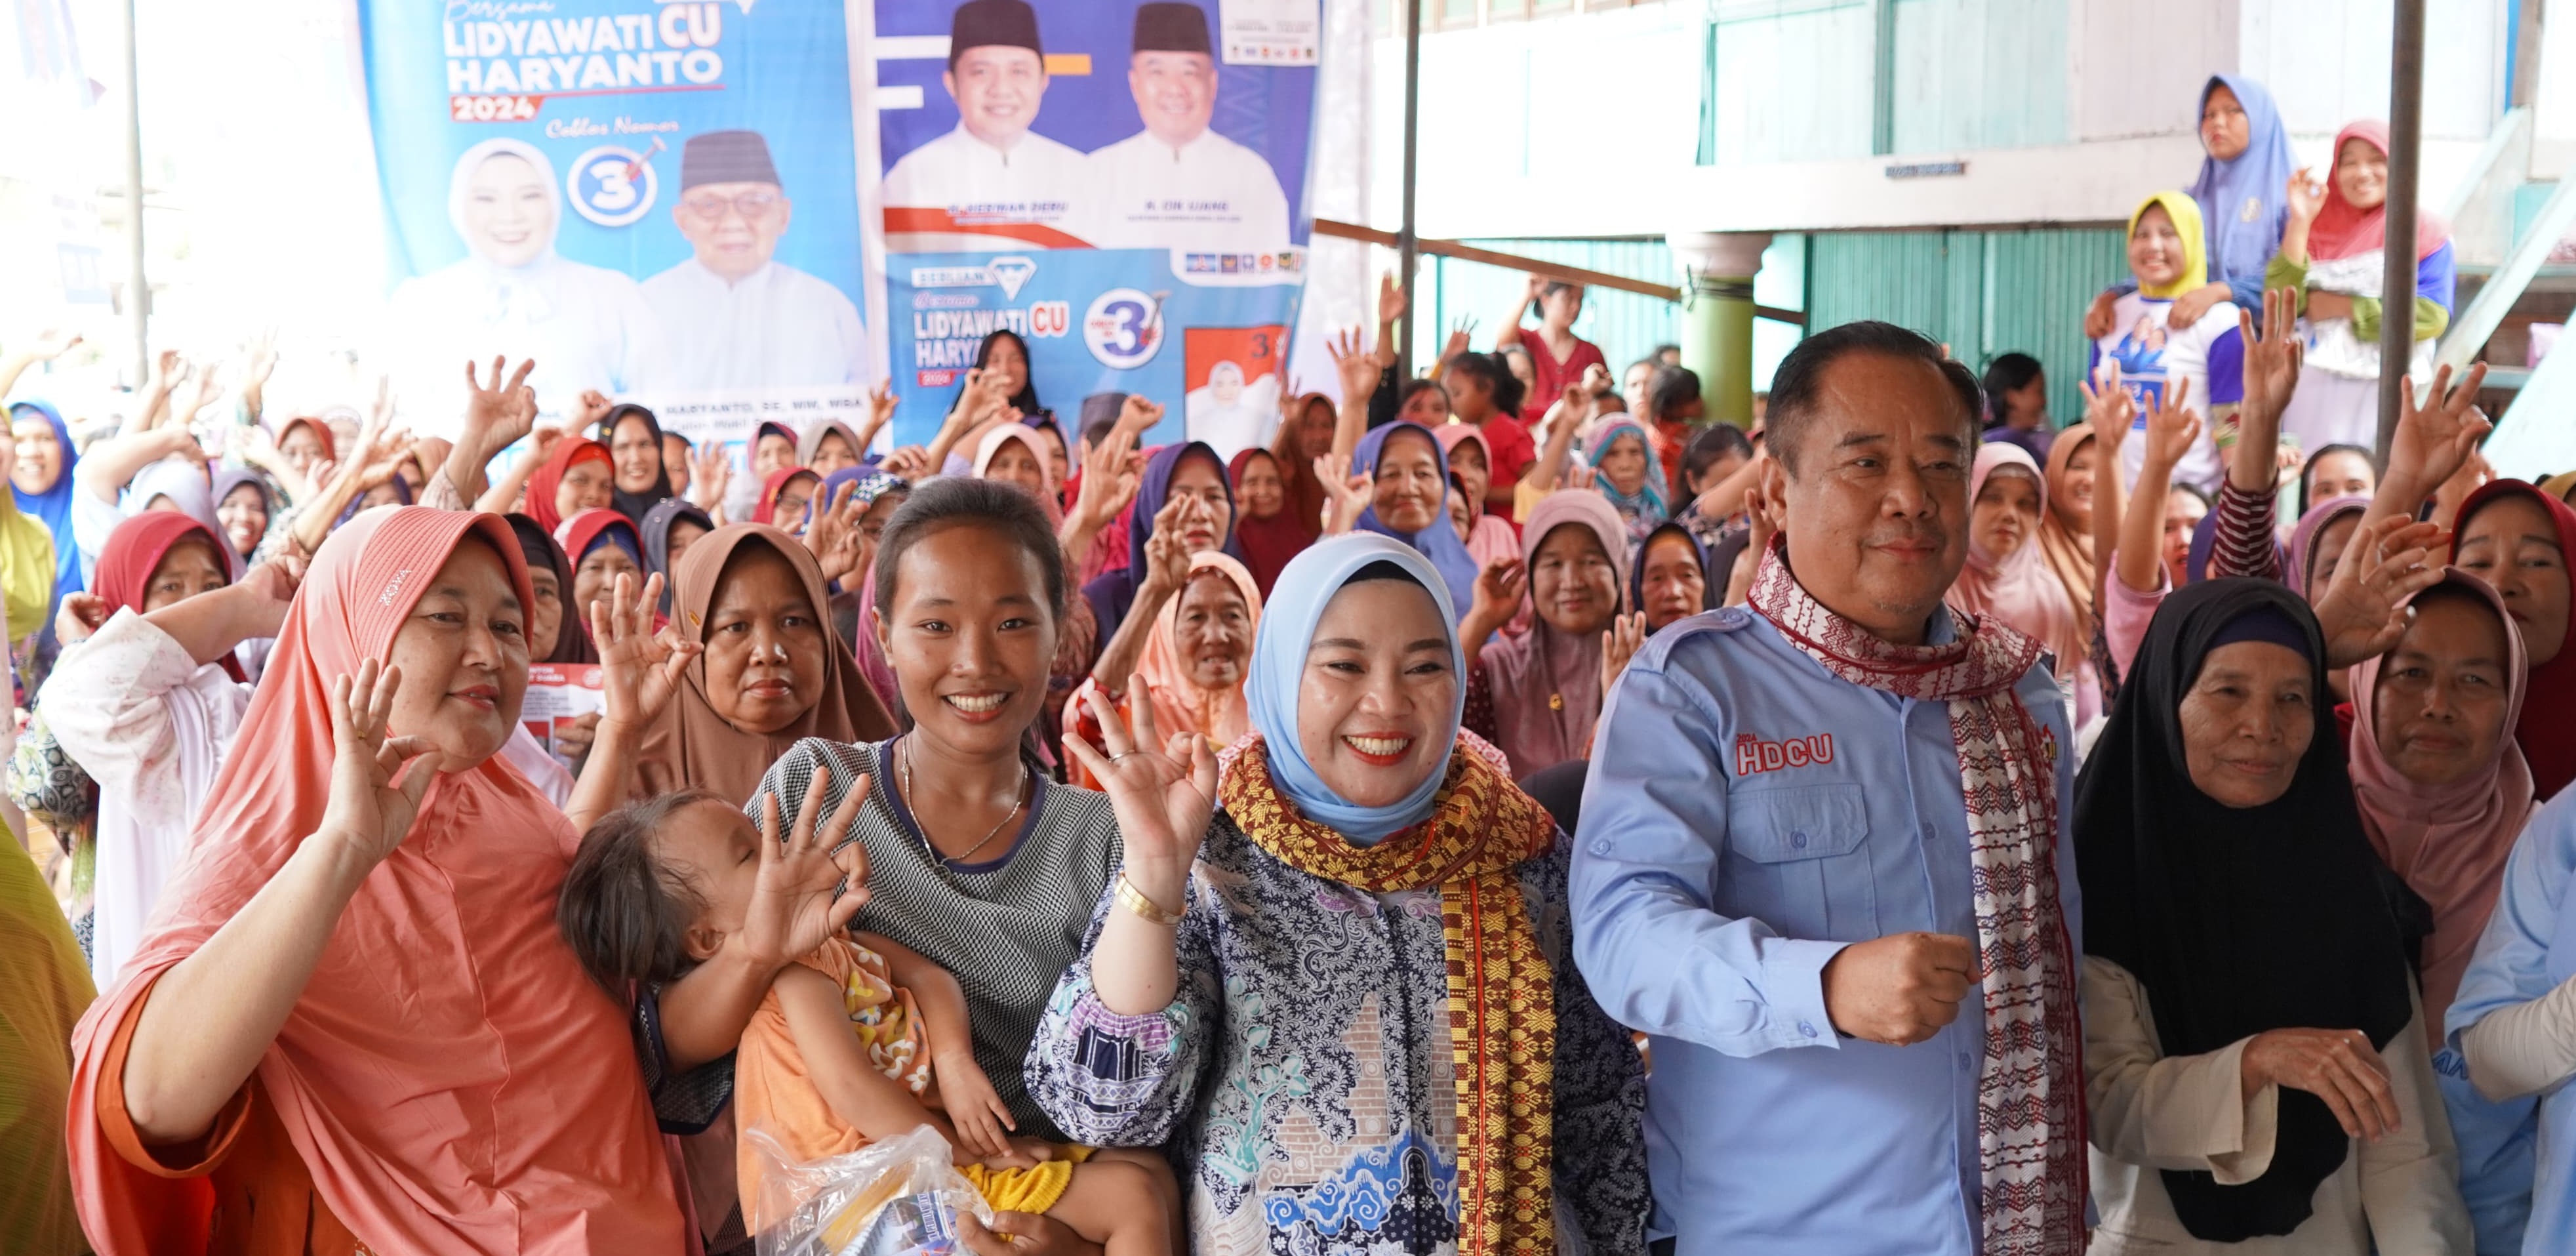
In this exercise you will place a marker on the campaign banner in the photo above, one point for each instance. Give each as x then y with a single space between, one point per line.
1122 185
656 200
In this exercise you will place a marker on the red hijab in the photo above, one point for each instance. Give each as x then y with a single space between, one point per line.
762 510
135 550
321 432
2344 231
549 475
452 1079
1269 543
2547 738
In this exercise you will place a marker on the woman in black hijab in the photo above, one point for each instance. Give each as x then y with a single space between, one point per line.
550 576
634 440
2245 973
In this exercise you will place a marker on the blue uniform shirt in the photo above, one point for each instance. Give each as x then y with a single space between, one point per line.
2514 1156
1749 815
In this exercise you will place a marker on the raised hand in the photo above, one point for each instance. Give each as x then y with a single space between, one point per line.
589 408
2363 611
1163 790
1498 589
881 407
2172 427
834 535
1167 554
2272 361
259 359
1391 302
2108 408
270 588
1351 491
639 670
1353 363
498 414
710 474
2307 195
2431 442
1620 643
812 879
368 812
1138 414
907 462
1461 339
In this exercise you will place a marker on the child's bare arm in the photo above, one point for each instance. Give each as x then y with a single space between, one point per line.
982 1122
876 1104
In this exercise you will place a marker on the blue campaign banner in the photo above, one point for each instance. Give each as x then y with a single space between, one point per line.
659 201
1121 184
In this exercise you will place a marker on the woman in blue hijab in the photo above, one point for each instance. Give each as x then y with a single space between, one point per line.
2243 193
43 487
1411 503
1301 915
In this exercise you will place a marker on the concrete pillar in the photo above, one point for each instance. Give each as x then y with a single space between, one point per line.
1717 274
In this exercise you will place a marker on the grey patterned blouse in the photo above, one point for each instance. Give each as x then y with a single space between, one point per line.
1302 1076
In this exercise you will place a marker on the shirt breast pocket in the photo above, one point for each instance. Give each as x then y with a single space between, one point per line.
1799 857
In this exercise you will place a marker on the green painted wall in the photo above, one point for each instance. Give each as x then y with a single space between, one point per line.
1983 293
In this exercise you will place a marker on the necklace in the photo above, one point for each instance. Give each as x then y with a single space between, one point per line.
903 764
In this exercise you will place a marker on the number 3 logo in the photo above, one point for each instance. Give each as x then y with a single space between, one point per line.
1124 328
611 186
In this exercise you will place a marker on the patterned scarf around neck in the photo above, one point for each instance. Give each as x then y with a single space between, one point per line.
2030 1110
1502 994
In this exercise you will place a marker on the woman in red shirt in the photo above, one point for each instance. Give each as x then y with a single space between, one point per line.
1556 354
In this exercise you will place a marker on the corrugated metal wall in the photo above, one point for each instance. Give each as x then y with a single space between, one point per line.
1983 293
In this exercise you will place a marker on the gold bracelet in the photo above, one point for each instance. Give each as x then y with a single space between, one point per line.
1134 900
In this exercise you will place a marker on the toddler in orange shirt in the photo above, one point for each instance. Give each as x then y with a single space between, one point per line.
860 1040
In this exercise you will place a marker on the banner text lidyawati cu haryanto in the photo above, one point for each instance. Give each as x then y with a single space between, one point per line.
658 201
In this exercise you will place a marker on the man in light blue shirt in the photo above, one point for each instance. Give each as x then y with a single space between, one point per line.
1779 877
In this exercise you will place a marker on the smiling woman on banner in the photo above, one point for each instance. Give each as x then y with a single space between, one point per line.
512 292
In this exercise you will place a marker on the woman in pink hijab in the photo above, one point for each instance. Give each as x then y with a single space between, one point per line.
1547 684
352 1022
2442 786
2009 578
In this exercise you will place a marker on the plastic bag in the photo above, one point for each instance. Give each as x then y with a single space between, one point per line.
897 1197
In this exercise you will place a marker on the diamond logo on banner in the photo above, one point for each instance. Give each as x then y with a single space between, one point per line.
1010 273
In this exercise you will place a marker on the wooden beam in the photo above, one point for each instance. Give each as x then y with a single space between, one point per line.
1551 270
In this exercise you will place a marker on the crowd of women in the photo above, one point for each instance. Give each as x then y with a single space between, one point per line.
1186 839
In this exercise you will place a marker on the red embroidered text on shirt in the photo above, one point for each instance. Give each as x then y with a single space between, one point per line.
1754 755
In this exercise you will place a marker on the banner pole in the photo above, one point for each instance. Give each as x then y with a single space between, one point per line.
138 291
1407 245
2397 278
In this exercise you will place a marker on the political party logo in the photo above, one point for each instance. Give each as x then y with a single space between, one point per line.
1010 273
1123 328
1754 756
613 185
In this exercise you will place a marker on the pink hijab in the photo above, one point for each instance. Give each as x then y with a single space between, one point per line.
2344 231
451 1079
2019 588
1219 715
1546 684
991 448
2448 842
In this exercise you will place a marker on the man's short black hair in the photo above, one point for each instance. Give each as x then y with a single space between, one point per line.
1799 383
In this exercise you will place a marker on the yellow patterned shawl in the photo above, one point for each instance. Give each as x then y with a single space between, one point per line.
1502 1000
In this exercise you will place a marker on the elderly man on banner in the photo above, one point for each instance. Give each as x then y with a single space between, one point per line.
1177 184
1821 859
735 315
